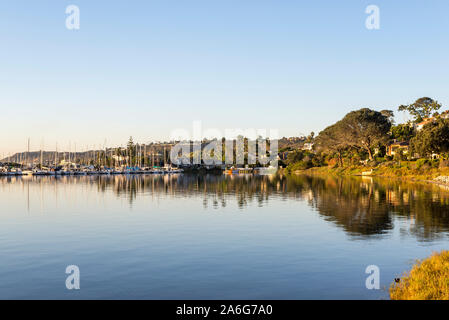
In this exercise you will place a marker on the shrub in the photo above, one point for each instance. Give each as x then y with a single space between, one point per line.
400 156
444 163
435 163
422 163
294 157
428 280
333 163
317 161
300 165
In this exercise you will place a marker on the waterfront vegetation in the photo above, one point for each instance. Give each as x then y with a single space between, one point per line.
421 169
428 280
369 141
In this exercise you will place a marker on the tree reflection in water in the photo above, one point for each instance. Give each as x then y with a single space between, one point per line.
363 207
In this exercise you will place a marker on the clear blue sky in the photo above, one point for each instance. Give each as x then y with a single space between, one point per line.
144 68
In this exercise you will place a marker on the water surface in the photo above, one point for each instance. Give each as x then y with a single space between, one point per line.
213 237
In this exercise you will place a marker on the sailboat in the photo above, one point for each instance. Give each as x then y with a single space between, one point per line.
41 171
27 171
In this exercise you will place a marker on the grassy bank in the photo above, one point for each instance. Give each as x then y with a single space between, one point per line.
415 170
428 280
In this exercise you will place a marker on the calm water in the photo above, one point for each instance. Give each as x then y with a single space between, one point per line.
207 237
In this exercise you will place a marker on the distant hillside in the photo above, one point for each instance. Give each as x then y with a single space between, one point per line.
48 157
291 143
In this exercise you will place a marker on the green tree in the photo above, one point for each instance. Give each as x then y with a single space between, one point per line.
131 147
366 128
402 132
433 138
333 140
294 156
310 137
421 108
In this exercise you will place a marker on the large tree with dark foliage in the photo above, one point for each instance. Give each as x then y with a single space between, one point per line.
361 129
332 140
366 128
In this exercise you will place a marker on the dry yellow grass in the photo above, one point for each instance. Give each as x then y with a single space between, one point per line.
428 280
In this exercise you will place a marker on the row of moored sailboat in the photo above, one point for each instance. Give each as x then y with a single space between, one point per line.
87 171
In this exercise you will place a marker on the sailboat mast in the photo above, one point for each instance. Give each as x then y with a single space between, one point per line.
28 152
56 155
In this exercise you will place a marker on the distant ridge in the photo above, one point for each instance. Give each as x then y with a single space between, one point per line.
48 156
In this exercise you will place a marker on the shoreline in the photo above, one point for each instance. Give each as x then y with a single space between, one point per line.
354 172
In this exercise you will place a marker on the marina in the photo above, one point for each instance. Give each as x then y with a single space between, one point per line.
134 159
86 171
